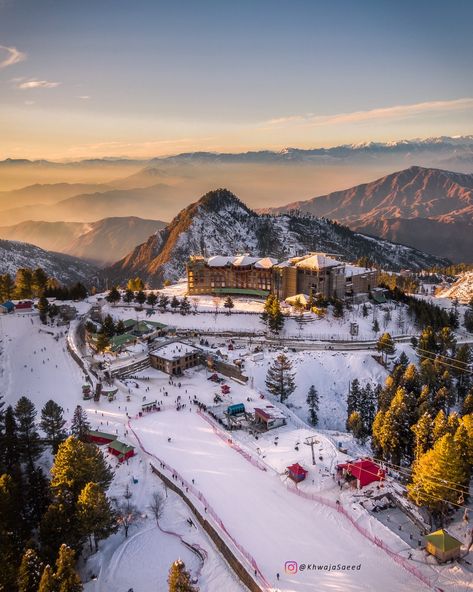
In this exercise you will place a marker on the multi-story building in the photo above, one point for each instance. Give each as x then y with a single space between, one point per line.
312 274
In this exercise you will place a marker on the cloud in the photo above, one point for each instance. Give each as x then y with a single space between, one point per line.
33 83
384 113
13 56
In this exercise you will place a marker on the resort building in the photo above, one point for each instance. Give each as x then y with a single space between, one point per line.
312 274
175 357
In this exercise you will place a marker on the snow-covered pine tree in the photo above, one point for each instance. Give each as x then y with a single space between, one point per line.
280 379
179 579
313 403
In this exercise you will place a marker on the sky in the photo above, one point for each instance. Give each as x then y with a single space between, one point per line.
148 78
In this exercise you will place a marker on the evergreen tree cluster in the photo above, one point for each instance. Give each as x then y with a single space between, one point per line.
44 524
361 409
33 283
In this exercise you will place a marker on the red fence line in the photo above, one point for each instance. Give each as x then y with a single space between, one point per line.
208 508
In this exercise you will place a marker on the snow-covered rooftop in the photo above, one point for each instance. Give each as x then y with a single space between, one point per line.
317 261
351 270
175 351
241 261
219 261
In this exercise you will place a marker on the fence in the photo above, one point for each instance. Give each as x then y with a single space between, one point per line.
174 485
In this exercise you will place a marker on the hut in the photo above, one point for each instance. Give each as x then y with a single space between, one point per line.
7 307
269 418
364 472
296 472
24 305
442 545
120 450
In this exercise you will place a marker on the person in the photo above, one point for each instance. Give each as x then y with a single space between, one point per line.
169 439
277 577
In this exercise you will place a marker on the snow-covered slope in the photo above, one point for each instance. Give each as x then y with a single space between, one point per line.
219 223
64 268
462 289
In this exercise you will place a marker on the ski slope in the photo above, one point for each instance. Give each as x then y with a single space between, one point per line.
270 522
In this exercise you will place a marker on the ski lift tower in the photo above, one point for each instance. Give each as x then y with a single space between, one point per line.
311 441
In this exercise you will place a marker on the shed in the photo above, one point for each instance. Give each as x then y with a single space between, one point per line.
121 450
7 307
236 409
365 471
296 472
270 417
100 437
442 545
24 305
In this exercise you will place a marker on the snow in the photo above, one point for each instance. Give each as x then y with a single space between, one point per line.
175 351
317 261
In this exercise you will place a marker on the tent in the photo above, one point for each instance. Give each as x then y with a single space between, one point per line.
442 545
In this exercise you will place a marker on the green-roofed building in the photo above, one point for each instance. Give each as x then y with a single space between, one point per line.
442 545
100 437
121 450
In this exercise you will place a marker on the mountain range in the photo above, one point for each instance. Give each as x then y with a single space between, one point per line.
66 269
100 243
220 223
430 209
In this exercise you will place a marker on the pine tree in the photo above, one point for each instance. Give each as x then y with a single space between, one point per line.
355 426
276 318
377 433
120 327
175 303
140 297
353 398
280 379
375 326
163 302
467 406
313 403
386 346
422 435
39 280
36 493
29 574
468 318
48 581
433 475
108 326
151 299
76 464
23 283
135 284
364 311
96 518
113 296
395 437
43 308
52 423
338 309
129 296
185 306
59 524
80 426
28 437
66 576
7 287
102 343
439 426
179 579
228 304
427 344
10 445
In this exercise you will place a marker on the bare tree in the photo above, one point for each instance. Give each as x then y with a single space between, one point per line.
127 494
127 514
157 506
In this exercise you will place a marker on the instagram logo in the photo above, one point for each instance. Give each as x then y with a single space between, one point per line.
290 567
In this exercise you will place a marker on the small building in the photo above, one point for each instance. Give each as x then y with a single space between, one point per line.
97 437
236 409
363 471
67 312
24 305
296 472
7 307
175 357
121 450
270 417
442 545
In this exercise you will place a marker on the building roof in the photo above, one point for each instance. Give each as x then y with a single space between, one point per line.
241 261
219 261
303 299
366 471
270 412
120 447
351 270
8 304
104 435
266 263
296 469
317 261
244 261
443 541
174 351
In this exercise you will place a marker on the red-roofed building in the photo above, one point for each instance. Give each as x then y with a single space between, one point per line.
364 471
270 417
296 472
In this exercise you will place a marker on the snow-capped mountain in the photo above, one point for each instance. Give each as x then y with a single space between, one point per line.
461 289
219 223
64 268
430 209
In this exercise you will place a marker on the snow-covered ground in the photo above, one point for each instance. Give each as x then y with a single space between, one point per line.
256 506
